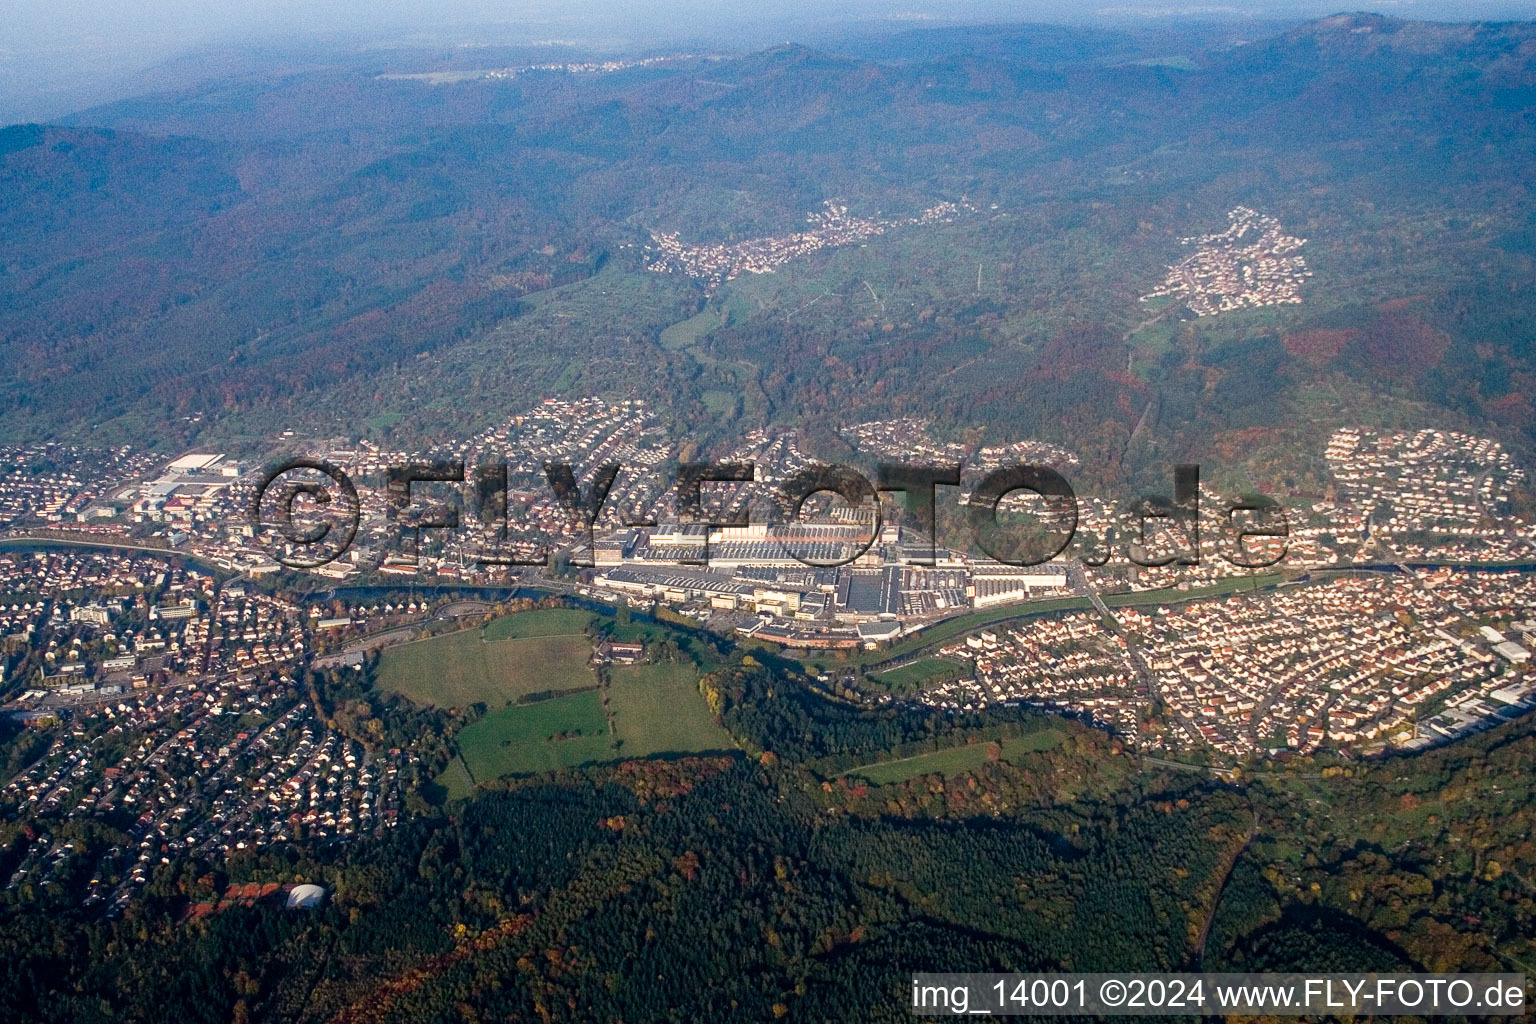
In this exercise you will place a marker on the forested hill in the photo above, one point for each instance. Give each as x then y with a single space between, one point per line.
344 250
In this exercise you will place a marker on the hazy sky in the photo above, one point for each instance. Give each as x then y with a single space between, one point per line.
59 55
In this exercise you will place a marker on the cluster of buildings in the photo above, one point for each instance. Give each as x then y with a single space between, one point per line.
187 491
213 766
55 573
1393 495
99 621
576 67
586 434
110 621
54 483
1426 495
1248 265
755 586
1357 663
1439 494
1395 498
589 67
530 521
908 440
1069 663
832 226
199 504
167 696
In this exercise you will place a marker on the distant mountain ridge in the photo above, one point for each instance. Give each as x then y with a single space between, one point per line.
264 248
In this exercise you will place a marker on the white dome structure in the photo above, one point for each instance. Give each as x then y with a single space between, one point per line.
306 897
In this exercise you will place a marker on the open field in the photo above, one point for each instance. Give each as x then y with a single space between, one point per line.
520 740
919 672
721 403
455 780
461 668
637 631
954 760
657 709
687 332
539 622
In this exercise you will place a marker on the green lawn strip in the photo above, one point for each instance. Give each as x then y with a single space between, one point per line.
1173 595
962 624
954 760
539 622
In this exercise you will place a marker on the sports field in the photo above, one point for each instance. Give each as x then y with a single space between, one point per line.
910 677
462 668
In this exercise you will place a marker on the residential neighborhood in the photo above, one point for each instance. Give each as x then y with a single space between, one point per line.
1247 266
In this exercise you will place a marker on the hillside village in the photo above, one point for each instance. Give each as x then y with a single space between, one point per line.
832 226
1248 266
